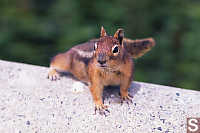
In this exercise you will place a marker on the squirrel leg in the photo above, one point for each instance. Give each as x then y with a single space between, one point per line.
124 95
59 63
96 92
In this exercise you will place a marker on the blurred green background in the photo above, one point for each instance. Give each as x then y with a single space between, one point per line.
32 31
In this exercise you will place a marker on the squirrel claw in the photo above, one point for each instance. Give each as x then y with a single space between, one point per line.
102 110
127 98
53 77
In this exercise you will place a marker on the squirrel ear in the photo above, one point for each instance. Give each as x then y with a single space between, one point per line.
103 32
119 34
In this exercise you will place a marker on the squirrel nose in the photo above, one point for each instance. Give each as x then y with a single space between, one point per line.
101 62
101 58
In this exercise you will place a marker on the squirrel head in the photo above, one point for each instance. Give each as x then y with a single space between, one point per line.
109 51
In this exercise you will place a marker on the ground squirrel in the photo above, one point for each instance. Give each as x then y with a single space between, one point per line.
102 62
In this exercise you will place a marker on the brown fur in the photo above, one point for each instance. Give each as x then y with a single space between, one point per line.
138 48
72 61
82 62
117 71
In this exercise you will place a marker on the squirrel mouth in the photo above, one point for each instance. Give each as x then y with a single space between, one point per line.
102 66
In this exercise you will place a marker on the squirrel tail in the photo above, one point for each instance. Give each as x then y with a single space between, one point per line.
139 47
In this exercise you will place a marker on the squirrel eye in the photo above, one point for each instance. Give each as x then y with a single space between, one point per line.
115 49
95 46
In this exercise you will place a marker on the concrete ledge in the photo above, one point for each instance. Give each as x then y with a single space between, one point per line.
30 103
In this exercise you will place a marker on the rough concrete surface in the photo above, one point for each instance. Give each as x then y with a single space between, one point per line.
30 103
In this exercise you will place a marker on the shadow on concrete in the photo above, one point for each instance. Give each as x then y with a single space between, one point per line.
69 75
114 90
135 87
109 90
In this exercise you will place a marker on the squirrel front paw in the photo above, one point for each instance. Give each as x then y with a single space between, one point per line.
102 109
53 75
127 98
